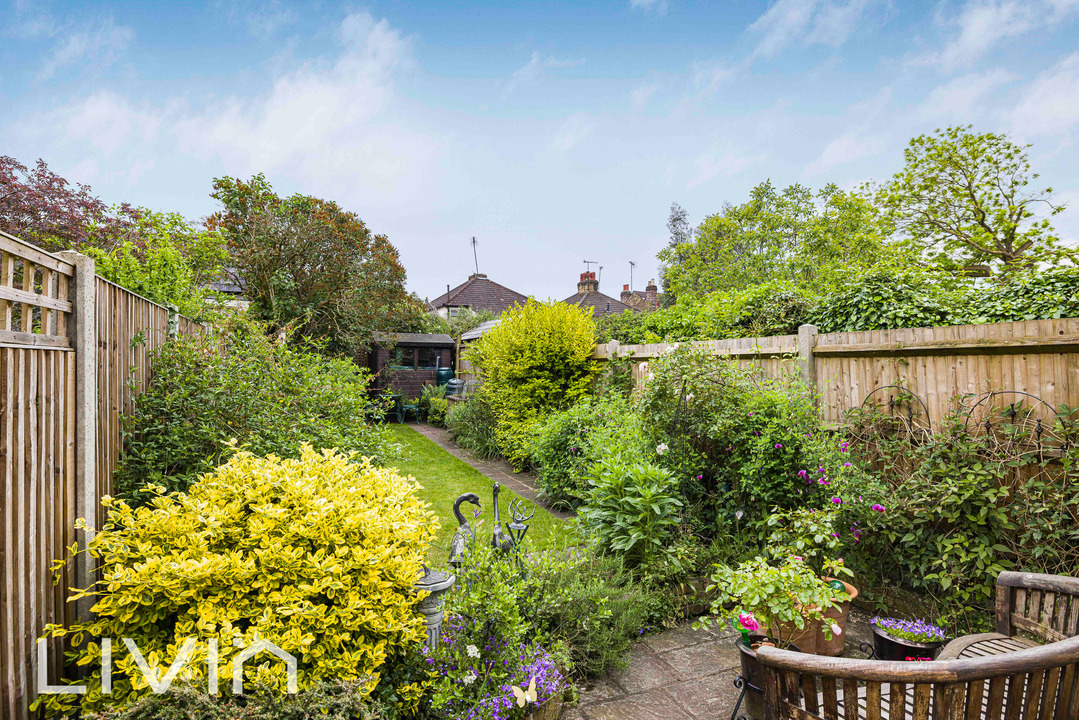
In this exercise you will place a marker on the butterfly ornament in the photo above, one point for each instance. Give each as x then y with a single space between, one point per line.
526 697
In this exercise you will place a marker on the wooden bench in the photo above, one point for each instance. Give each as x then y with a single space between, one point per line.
1003 675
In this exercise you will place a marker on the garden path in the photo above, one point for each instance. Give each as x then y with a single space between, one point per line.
682 674
524 484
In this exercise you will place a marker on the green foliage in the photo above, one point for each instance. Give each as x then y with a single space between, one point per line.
809 533
962 199
883 301
330 701
471 422
632 509
436 412
457 324
234 383
1037 295
734 437
165 260
569 443
318 555
428 393
538 359
590 602
309 264
782 598
795 237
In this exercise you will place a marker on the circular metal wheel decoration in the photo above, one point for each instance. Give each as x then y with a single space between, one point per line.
900 415
1017 421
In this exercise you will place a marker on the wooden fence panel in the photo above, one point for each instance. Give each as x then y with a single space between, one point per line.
943 366
37 454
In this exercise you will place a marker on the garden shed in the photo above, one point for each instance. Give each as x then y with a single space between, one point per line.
405 362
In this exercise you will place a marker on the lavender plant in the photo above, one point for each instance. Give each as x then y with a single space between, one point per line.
917 631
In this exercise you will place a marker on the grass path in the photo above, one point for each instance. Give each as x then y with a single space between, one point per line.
444 477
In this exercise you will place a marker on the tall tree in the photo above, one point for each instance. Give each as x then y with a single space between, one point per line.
41 207
963 200
798 237
309 264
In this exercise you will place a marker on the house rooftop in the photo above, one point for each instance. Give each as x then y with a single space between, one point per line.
589 296
480 293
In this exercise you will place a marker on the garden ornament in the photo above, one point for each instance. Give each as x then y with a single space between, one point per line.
465 534
435 583
499 540
519 527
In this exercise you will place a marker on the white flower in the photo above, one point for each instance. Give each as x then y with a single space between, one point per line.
651 376
661 448
472 651
689 397
836 630
469 678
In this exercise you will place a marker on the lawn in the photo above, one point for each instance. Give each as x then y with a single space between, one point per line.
444 477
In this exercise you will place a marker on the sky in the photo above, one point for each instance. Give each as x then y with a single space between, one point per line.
553 133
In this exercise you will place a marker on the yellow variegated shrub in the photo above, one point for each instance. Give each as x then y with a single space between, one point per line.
318 555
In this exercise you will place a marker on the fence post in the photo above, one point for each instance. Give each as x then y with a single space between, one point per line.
82 328
174 320
807 338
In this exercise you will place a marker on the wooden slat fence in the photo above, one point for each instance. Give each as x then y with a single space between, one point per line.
45 475
941 365
37 493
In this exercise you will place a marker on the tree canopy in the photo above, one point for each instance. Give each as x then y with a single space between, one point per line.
309 264
963 201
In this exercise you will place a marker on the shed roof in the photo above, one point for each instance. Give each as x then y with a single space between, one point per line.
413 339
480 330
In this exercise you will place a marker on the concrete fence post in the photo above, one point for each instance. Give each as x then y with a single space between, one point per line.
83 332
807 338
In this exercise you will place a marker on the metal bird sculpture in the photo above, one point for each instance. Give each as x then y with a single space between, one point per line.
499 540
465 534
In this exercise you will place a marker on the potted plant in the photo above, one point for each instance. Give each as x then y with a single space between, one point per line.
898 639
810 534
780 605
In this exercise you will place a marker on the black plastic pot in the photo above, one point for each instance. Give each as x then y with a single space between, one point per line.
890 647
751 679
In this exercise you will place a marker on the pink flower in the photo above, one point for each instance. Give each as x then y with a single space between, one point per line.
878 507
796 557
837 501
779 446
749 622
848 464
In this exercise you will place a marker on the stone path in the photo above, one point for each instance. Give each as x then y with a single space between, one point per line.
680 674
524 484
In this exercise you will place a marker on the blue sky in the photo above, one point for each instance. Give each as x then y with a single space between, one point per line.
553 132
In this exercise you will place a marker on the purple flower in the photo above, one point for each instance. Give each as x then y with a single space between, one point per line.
779 446
878 507
848 464
837 501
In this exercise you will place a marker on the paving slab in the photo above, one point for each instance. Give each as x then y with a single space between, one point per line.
698 661
707 698
655 705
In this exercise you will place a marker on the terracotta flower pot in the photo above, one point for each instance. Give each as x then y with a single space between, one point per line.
837 616
805 638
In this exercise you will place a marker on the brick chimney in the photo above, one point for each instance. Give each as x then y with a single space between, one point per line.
588 283
650 295
627 295
477 275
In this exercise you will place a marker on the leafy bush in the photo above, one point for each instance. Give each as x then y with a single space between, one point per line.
882 301
734 437
235 383
1036 295
633 509
436 411
472 424
318 555
426 395
568 443
538 359
330 701
168 261
592 603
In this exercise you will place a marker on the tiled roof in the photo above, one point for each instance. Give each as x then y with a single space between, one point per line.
424 339
601 304
479 293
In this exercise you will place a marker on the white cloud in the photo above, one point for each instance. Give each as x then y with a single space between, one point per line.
805 22
570 134
99 43
1050 104
641 94
981 25
708 77
659 7
868 128
535 67
721 159
959 97
265 19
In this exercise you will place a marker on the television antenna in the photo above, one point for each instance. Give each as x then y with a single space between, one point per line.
475 258
587 263
632 264
599 279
